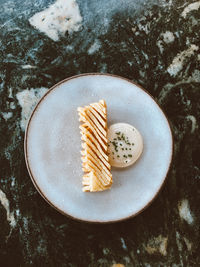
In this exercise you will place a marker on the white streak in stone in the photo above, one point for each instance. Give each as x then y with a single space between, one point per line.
94 47
25 233
12 181
69 48
28 67
10 93
123 243
17 212
194 122
168 37
169 86
5 203
103 67
106 251
188 243
62 16
145 28
178 61
180 247
7 115
184 211
178 241
159 44
28 100
190 7
12 105
196 76
130 63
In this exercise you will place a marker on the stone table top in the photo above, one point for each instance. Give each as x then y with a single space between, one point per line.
154 43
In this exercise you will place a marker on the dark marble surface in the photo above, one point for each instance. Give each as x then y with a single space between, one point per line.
157 45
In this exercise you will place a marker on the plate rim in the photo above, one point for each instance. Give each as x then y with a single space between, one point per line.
32 176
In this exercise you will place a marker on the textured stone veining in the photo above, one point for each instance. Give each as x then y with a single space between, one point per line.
189 8
5 202
178 61
185 212
28 100
58 18
157 245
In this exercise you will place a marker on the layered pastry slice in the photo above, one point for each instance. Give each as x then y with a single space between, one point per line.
95 161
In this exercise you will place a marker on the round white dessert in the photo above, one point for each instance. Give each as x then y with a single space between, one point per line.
125 145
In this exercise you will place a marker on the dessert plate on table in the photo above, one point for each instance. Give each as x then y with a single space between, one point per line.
53 144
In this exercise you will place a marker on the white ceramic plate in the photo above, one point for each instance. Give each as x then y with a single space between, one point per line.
53 144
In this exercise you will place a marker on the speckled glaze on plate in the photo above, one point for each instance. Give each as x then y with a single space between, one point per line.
53 144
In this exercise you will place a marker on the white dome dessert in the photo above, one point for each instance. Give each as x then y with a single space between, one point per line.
125 145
